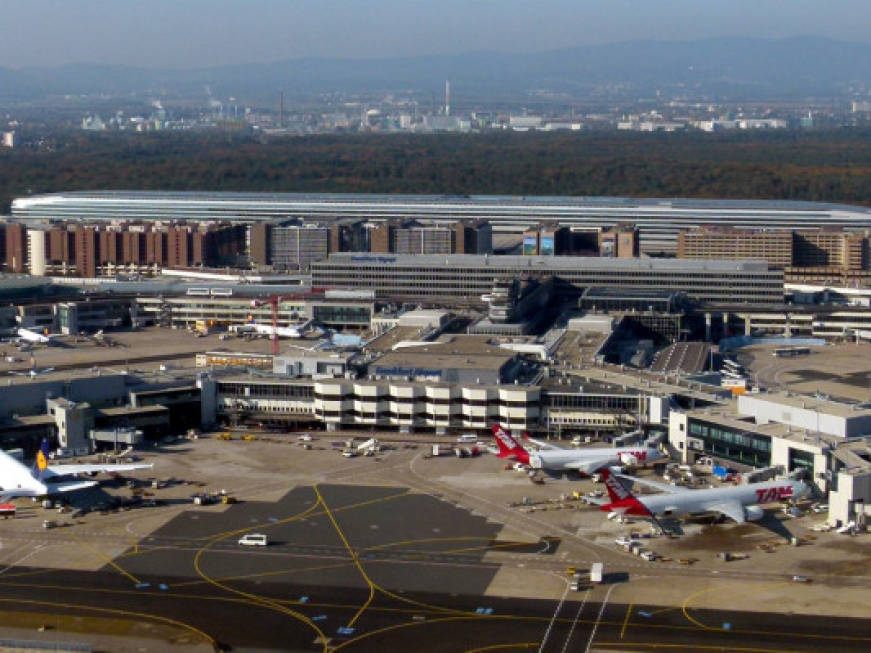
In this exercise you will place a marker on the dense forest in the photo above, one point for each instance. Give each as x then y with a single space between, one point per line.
798 165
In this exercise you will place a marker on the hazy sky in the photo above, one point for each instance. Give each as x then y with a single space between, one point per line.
196 33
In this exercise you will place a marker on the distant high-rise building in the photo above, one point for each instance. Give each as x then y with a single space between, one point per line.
133 247
412 237
349 236
447 97
422 240
473 237
87 251
296 247
179 247
812 255
260 243
36 246
90 250
381 238
621 241
16 247
548 239
61 245
723 243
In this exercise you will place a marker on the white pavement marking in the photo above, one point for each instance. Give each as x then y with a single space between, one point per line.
556 612
33 551
575 620
599 618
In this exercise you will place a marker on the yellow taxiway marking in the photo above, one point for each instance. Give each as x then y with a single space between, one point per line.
737 588
254 599
354 557
125 613
626 620
696 647
109 561
499 647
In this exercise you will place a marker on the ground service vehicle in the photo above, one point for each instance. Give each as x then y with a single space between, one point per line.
596 572
253 539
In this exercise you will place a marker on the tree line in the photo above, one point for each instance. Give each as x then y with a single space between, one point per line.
830 166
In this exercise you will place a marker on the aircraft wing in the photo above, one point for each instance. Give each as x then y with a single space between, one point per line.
732 509
588 467
20 492
541 444
63 470
662 487
69 487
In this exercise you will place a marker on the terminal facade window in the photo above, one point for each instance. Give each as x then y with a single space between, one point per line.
732 444
799 459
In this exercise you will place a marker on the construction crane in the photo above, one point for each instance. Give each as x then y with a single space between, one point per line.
273 302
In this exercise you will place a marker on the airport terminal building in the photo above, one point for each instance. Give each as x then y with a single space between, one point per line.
467 279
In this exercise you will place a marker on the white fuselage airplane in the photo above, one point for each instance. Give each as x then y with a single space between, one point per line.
16 480
581 461
740 503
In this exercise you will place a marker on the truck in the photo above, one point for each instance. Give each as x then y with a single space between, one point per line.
369 445
724 473
596 572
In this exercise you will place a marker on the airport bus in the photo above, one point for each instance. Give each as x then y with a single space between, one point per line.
788 352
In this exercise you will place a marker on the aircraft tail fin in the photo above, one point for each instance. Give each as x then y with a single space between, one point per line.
42 457
621 497
508 446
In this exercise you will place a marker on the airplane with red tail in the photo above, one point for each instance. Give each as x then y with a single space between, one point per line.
740 503
580 461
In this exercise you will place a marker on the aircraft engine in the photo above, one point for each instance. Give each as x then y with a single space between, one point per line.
753 513
627 459
535 462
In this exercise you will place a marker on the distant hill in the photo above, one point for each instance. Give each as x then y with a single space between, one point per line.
740 68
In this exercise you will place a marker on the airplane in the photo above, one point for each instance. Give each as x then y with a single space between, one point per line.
16 480
33 372
30 336
582 461
740 503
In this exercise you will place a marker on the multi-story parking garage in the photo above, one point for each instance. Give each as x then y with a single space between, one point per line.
659 220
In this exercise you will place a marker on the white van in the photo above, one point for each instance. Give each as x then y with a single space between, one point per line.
253 539
467 437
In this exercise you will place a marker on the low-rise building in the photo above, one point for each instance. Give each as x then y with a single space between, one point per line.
850 484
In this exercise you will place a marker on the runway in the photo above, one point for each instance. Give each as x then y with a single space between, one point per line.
372 568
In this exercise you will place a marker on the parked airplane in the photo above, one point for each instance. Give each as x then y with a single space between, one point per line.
582 461
16 480
29 335
740 503
33 372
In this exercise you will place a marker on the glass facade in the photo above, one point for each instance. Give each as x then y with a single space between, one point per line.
799 459
340 315
732 444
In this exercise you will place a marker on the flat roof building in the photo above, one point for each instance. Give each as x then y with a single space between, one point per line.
466 278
